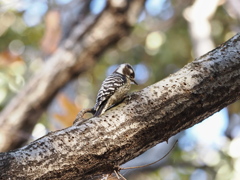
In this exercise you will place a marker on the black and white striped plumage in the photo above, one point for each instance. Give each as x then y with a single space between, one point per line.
114 88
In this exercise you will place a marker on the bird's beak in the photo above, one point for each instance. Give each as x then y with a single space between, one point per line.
134 81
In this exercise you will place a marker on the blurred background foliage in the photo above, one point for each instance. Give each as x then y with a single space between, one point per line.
159 45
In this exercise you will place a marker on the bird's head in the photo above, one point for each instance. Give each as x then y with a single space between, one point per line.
126 70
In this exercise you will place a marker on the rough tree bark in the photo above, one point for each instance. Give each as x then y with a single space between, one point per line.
99 145
76 54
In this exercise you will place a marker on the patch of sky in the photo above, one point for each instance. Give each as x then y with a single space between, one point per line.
199 174
154 7
111 69
162 8
141 73
96 6
62 2
210 132
34 13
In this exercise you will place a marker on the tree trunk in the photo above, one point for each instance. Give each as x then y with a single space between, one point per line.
76 54
97 146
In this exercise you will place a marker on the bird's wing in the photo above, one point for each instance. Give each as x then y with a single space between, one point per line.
108 88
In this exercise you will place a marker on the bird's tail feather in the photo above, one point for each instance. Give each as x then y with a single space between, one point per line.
100 109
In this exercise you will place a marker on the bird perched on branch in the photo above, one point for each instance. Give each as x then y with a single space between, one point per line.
114 88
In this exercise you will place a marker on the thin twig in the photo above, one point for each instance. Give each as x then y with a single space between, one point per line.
117 174
121 176
120 168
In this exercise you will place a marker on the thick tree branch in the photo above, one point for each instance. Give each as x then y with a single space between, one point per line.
75 55
152 115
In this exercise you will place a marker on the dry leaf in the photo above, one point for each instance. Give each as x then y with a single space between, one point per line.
70 111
